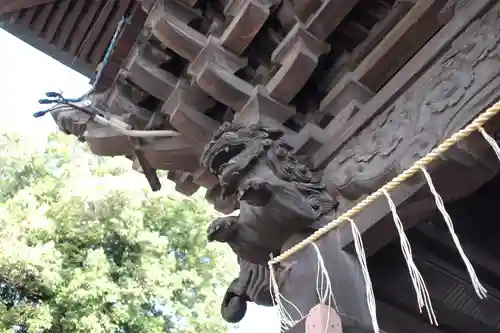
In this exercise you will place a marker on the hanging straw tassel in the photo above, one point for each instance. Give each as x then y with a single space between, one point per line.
370 295
323 285
423 297
433 155
480 290
491 141
324 288
286 319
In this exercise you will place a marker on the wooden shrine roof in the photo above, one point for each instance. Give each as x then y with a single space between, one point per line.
75 32
383 82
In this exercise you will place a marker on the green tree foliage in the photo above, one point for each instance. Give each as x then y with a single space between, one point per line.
85 247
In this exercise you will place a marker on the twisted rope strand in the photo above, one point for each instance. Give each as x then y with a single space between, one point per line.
475 125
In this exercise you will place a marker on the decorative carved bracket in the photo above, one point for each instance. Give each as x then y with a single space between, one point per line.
434 107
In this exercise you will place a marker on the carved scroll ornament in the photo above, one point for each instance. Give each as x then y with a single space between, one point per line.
436 105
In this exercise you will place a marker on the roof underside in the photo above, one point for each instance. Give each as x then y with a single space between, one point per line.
9 6
457 306
49 25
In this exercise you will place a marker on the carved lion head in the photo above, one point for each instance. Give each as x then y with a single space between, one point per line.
234 148
230 140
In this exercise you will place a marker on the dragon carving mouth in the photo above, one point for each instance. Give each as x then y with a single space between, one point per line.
233 152
224 164
223 156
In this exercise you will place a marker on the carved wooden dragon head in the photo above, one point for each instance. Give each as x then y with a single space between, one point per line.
234 149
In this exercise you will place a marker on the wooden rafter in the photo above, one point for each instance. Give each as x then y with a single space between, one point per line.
8 6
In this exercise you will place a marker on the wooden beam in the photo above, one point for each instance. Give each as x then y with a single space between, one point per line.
401 81
455 303
8 6
394 320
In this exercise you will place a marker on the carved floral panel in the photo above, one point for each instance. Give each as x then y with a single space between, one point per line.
438 104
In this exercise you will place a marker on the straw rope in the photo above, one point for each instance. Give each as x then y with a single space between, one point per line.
475 125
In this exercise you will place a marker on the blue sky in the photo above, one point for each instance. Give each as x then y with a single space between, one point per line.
25 75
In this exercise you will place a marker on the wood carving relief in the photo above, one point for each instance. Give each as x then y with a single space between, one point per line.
264 65
451 8
267 92
437 105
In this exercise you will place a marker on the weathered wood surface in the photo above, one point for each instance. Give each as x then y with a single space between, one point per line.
268 95
8 6
346 280
391 98
361 88
462 83
361 113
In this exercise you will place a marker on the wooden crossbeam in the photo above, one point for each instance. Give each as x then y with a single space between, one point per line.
8 6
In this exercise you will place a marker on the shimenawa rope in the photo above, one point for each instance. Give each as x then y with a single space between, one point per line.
423 297
475 125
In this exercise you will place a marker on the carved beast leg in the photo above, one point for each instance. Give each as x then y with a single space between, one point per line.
252 285
222 229
234 303
256 192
